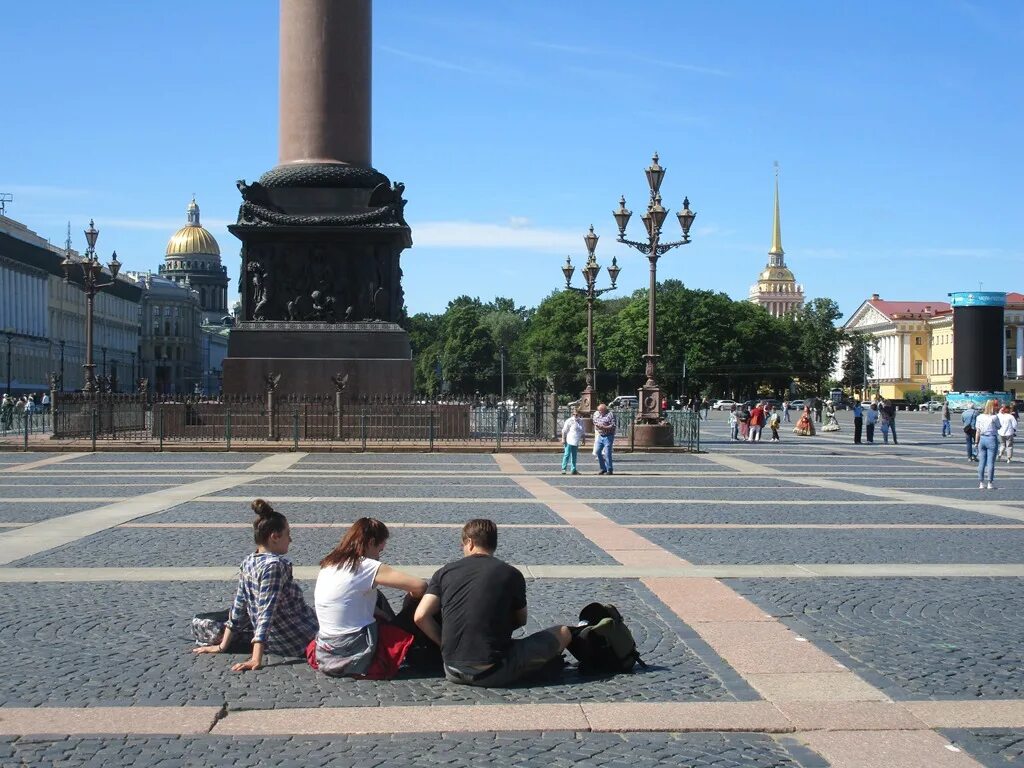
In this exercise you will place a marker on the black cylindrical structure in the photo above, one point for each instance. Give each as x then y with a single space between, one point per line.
978 341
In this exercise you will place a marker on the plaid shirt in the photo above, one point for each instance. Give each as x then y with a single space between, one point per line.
270 603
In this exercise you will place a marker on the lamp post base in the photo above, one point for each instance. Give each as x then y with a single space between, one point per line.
653 435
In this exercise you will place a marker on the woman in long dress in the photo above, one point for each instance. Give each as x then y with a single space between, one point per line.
805 424
831 422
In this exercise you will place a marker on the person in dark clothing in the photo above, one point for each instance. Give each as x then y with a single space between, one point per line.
858 421
481 601
890 411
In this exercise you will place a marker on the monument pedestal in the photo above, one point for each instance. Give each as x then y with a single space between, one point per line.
376 357
652 435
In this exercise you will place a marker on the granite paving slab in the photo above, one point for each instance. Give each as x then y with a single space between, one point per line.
728 481
783 512
170 458
10 458
713 547
394 479
323 487
33 512
472 750
129 643
992 747
739 491
912 638
347 512
481 460
73 491
184 547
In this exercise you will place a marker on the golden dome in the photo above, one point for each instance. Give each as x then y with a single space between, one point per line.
192 239
777 273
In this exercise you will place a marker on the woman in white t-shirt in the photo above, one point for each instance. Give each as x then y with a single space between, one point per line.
360 636
1007 431
986 440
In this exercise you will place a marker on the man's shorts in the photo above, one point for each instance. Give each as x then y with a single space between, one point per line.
522 658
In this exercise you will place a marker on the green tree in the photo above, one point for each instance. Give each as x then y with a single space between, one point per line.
554 343
817 341
468 352
857 366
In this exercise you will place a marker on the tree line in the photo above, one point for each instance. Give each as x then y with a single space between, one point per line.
707 343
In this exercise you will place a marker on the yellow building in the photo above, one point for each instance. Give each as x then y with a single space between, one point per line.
915 345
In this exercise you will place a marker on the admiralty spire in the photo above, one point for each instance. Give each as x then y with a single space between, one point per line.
776 289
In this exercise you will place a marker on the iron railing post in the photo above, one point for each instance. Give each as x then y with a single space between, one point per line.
295 429
227 429
362 427
158 409
95 419
431 430
28 417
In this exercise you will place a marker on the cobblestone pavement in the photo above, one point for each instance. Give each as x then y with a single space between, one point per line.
913 638
182 547
529 750
992 747
970 545
346 512
640 514
122 643
954 641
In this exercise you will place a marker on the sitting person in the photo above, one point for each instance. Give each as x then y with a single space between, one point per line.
481 600
360 636
268 603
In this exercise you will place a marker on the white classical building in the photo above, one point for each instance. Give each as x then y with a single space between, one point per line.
776 289
42 318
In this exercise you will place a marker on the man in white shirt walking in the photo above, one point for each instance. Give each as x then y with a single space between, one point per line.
573 435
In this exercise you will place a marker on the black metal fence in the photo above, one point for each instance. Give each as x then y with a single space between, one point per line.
325 420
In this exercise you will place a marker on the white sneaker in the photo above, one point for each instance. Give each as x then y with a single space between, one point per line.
991 487
981 486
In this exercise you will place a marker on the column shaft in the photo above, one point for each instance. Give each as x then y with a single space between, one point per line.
1020 351
325 75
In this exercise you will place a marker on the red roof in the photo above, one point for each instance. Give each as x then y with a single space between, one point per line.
1015 298
891 308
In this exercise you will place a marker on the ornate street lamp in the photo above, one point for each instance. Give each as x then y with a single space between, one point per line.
590 272
651 427
92 283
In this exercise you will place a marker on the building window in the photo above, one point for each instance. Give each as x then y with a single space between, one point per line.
917 341
917 368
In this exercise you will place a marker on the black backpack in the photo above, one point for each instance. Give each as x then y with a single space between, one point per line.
606 649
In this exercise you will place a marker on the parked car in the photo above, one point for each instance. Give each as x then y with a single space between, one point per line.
723 405
625 401
931 406
796 405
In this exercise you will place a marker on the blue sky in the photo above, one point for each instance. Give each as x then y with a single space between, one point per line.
897 126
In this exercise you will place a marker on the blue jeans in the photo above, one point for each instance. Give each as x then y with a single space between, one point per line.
988 446
946 429
970 444
569 456
604 445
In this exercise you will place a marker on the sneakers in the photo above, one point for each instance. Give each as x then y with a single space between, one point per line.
602 472
981 486
563 472
574 472
991 487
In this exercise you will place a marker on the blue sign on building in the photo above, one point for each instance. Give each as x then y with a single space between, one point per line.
978 299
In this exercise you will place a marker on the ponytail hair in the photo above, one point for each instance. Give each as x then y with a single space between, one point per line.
267 522
353 545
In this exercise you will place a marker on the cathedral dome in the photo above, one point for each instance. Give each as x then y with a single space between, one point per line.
192 239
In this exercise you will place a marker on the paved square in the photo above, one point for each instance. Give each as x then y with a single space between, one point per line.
807 603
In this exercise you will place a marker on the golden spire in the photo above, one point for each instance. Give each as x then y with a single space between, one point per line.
776 249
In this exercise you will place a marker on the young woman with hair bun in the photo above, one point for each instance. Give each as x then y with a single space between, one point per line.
359 635
268 603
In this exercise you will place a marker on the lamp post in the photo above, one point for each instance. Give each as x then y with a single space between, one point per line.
590 272
62 365
92 276
651 428
501 350
10 338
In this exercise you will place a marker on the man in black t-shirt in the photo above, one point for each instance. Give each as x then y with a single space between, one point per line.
481 601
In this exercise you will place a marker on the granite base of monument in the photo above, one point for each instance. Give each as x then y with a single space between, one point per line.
375 356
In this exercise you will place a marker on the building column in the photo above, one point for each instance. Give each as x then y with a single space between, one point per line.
1020 351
